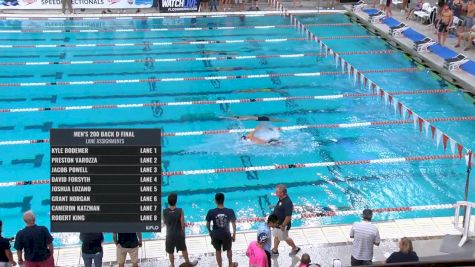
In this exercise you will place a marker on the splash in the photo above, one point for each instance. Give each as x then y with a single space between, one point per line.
290 143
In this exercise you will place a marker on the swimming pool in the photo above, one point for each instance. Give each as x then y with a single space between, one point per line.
76 64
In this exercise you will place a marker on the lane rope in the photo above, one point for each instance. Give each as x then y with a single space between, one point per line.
196 42
156 60
274 167
119 30
219 102
284 128
180 79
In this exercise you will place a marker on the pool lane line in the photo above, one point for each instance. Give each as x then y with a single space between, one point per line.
128 30
213 52
190 117
149 38
179 95
229 77
314 164
276 89
168 70
204 42
277 167
219 102
157 60
337 213
283 128
148 44
150 53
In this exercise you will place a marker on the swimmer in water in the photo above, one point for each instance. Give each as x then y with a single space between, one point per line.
254 118
271 139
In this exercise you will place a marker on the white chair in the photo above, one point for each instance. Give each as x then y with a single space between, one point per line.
358 7
424 14
423 45
397 31
377 17
453 64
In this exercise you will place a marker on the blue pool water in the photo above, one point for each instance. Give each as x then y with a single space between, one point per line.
249 193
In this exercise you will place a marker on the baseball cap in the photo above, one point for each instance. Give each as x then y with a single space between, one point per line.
262 238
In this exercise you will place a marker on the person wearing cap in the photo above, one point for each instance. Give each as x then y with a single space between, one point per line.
6 257
255 252
364 235
272 222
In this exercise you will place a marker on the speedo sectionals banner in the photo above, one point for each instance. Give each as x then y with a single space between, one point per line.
56 4
178 5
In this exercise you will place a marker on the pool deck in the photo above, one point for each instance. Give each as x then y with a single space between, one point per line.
460 77
322 243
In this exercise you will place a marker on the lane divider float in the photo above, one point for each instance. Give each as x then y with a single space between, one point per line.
181 79
283 128
156 60
119 30
218 102
195 42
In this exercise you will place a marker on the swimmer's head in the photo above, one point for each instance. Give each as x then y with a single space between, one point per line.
243 137
273 142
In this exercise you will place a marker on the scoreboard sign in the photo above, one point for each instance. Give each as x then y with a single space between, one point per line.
105 180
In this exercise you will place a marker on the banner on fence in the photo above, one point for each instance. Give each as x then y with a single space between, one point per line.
178 5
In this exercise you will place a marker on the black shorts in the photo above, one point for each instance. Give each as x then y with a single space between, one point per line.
222 242
263 118
443 27
172 242
268 258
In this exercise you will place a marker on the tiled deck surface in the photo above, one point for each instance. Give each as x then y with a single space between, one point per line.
322 243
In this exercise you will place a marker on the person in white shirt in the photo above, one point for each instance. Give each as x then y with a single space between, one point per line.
364 235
